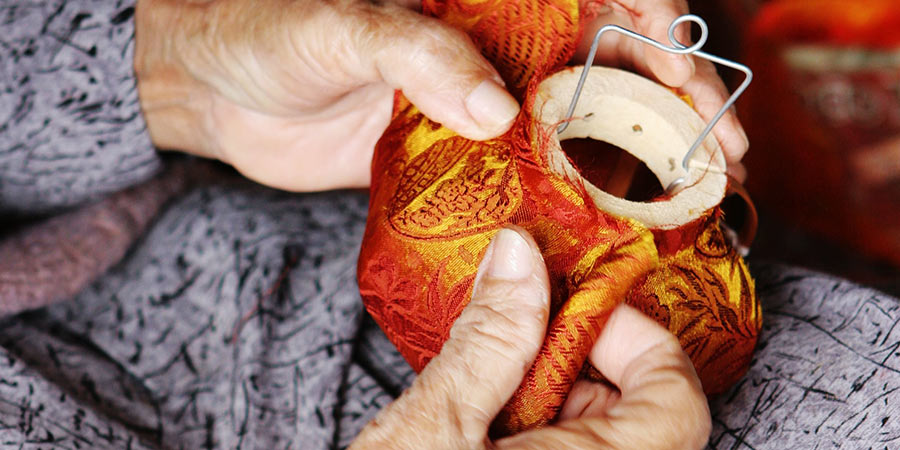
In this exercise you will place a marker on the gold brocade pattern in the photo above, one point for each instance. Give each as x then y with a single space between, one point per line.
704 295
521 38
433 214
437 199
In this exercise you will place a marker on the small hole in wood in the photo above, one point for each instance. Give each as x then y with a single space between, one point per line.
637 129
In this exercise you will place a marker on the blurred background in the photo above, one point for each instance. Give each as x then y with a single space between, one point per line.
823 117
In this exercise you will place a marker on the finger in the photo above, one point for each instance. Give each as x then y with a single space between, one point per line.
662 404
653 18
491 346
738 172
588 398
496 338
660 389
709 93
614 49
439 69
624 348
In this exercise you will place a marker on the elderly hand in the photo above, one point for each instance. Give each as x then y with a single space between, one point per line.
658 402
295 94
694 76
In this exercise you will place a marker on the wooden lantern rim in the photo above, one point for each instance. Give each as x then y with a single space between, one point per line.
645 119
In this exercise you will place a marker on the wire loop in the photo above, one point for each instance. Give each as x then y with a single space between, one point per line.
676 48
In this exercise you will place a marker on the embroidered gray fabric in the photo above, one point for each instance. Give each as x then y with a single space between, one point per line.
145 357
70 123
235 322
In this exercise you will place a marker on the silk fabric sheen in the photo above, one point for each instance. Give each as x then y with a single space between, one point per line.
437 199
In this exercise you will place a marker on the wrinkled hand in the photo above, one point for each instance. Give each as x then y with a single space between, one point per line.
295 94
659 403
694 76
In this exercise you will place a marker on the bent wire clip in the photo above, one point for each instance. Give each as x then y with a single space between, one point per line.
676 48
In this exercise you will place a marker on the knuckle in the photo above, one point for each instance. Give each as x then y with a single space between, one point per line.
485 325
430 51
519 306
493 326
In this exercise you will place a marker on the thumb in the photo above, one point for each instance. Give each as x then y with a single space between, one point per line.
670 68
439 70
659 405
491 346
496 338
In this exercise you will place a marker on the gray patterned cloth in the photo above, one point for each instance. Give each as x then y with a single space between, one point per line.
826 373
235 321
67 101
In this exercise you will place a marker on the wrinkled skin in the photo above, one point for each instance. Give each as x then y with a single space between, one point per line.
272 88
294 94
657 401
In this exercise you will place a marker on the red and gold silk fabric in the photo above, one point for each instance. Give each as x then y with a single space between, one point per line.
703 293
437 199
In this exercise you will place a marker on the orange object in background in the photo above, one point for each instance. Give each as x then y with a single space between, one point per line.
823 117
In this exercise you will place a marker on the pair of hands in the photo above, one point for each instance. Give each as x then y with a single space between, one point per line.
295 94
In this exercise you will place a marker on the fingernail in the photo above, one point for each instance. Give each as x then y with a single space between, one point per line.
491 106
511 258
